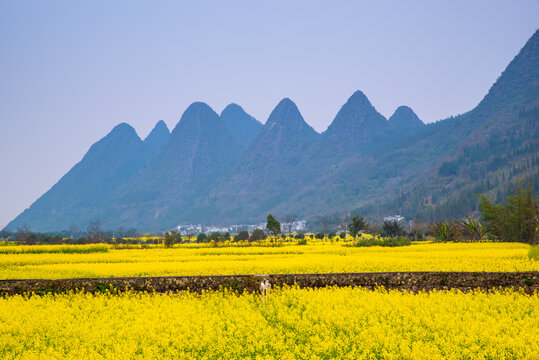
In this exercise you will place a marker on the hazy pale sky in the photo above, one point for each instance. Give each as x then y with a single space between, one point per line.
70 70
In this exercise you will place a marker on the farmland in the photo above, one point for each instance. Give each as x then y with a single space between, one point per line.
288 323
339 323
25 262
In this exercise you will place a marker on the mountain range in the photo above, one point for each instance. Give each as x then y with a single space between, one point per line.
231 169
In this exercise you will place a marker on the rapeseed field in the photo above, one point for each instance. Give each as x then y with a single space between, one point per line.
314 258
292 323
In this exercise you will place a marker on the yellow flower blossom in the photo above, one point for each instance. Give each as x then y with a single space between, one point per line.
329 323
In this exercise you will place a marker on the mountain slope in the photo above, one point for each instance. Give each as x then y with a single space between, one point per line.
157 138
77 196
267 173
356 125
199 151
242 126
405 120
486 150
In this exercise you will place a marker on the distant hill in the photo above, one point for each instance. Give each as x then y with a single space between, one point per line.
404 120
79 194
242 126
230 169
157 138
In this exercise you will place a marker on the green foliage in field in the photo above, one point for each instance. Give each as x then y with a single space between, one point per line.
389 242
516 220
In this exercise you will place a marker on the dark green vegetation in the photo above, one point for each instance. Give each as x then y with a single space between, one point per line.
357 223
388 242
516 220
273 226
208 171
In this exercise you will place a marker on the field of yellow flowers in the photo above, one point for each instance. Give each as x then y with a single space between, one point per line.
292 323
314 258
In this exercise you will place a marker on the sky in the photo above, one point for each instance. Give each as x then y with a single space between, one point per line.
70 71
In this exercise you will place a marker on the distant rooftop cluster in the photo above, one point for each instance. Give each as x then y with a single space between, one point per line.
394 218
190 229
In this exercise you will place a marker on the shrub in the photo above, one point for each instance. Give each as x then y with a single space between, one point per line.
242 235
257 235
172 238
389 242
201 237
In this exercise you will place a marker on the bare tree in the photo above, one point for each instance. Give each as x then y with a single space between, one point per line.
5 233
121 234
344 220
327 223
24 236
95 234
74 231
190 232
288 222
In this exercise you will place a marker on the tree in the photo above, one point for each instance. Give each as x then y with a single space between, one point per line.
120 234
357 224
257 234
74 231
344 219
392 228
288 222
95 234
24 236
417 230
241 236
514 221
172 237
201 238
189 233
273 226
472 227
445 231
214 236
5 233
327 223
319 235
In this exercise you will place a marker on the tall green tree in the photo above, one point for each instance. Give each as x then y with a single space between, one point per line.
356 225
274 226
172 237
515 220
392 228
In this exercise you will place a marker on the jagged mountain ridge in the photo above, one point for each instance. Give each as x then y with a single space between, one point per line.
362 162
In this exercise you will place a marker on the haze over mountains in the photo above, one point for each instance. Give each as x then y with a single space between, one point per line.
229 168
